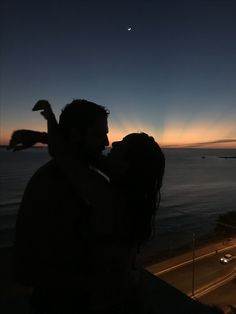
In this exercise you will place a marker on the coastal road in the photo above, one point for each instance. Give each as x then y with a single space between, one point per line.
207 270
225 294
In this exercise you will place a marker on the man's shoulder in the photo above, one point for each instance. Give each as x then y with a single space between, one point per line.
48 171
48 179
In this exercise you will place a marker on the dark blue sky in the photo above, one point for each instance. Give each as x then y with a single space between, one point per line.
173 75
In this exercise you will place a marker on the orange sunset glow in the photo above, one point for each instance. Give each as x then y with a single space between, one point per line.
174 133
180 133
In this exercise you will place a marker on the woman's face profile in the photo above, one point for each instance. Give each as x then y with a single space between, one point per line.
117 159
122 149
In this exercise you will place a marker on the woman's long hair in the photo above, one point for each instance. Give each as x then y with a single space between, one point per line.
143 183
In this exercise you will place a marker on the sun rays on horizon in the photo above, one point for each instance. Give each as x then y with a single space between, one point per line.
174 130
180 131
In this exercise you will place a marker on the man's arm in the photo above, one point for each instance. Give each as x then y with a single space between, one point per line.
45 241
32 229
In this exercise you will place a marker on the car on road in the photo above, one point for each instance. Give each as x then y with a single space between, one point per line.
227 258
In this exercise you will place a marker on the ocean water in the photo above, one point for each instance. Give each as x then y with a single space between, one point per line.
198 186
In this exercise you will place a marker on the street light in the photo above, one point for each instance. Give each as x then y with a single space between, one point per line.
193 256
193 265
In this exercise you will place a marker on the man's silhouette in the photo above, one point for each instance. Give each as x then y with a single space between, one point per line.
52 224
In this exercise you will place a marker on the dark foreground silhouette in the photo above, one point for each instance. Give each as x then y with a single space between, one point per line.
78 230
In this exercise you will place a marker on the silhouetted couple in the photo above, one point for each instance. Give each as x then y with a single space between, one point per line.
83 216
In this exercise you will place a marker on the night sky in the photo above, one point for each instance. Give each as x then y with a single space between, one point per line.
172 75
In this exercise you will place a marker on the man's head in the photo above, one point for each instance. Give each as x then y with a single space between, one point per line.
84 125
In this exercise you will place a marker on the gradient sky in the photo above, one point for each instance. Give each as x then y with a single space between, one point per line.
173 75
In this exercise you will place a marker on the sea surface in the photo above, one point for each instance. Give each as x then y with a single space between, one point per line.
198 187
